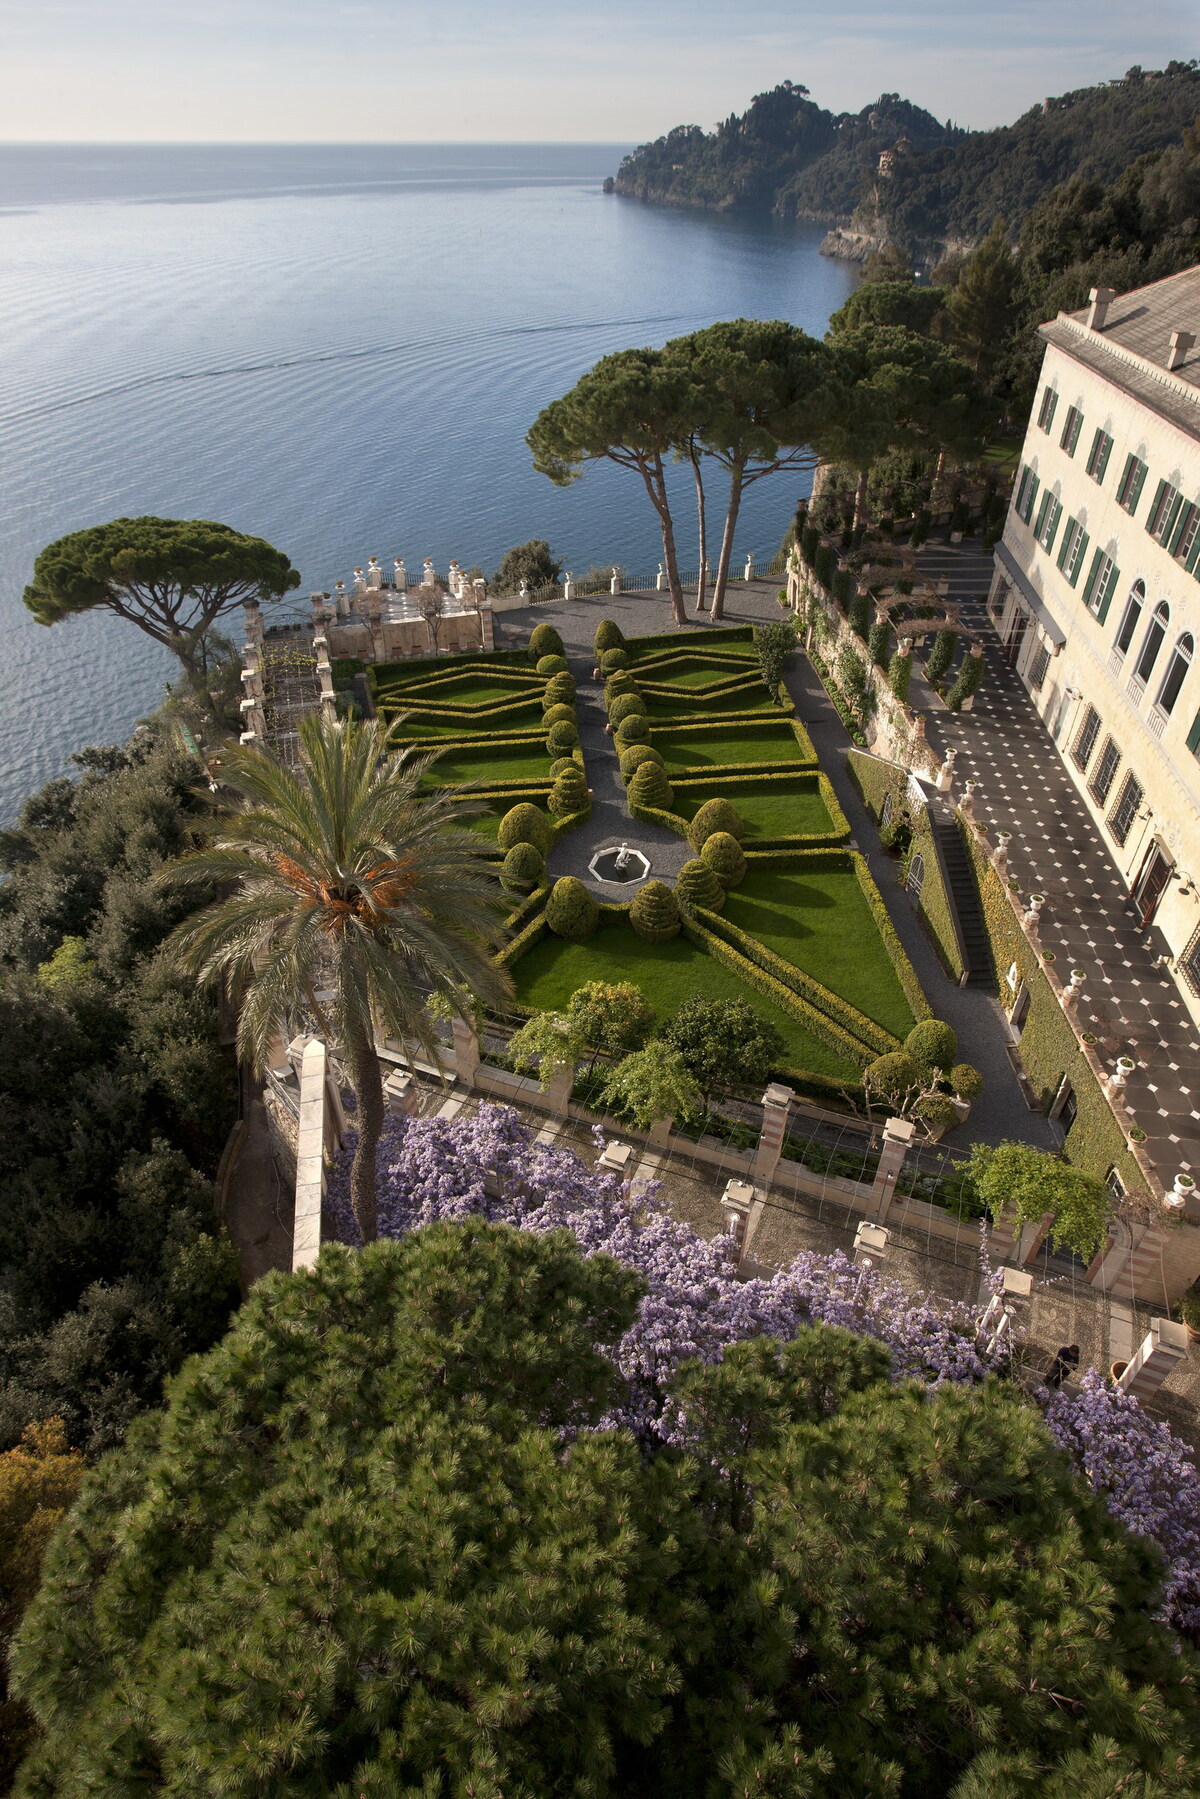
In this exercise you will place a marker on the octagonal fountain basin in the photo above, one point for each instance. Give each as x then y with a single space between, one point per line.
619 865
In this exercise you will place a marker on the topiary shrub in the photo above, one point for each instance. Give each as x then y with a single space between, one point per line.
616 685
525 824
932 1045
625 706
569 793
698 885
650 787
965 1081
715 815
725 856
544 640
552 665
896 1076
560 690
634 729
612 660
945 648
637 753
571 912
970 674
562 737
561 763
654 913
609 636
524 868
558 715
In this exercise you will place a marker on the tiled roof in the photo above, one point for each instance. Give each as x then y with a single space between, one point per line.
1132 346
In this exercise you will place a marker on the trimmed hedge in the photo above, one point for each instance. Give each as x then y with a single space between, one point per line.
562 737
624 706
653 815
612 660
633 758
839 824
633 729
678 640
715 815
528 909
569 793
609 636
650 787
544 640
529 934
524 868
552 665
525 824
697 885
560 690
561 764
560 714
619 684
744 726
571 912
875 779
905 972
654 913
724 855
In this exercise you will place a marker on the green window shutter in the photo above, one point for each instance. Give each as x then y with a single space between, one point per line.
1193 558
1055 513
1073 577
1065 545
1105 453
1176 509
1193 736
1090 584
1181 516
1138 485
1162 488
1041 514
1114 581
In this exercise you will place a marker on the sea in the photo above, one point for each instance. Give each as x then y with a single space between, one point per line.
339 349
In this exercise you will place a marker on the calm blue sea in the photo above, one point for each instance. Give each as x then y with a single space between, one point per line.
338 348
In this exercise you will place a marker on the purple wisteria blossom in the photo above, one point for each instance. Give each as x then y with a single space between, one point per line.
1146 1476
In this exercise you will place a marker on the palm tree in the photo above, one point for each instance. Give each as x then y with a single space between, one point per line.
353 881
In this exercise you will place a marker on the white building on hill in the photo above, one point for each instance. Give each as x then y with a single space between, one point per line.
1097 587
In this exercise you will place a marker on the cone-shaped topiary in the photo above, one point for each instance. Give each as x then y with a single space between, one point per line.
932 1045
698 885
571 912
609 636
524 868
552 665
562 737
544 640
654 913
560 763
624 706
559 689
618 684
634 729
557 715
525 824
650 787
569 793
715 815
635 755
724 855
612 660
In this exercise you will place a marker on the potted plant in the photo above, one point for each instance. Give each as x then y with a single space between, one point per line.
1189 1313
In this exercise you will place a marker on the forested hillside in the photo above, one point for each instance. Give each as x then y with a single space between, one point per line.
787 154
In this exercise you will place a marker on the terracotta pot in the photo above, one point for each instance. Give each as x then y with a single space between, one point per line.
1117 1370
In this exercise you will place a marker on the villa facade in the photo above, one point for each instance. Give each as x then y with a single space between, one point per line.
1096 592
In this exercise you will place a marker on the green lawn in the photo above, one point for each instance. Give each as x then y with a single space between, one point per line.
668 973
685 702
735 744
492 765
423 724
821 922
457 690
688 673
789 808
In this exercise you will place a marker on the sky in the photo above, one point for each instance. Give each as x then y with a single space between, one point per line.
524 71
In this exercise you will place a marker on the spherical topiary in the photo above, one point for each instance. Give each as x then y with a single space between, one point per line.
571 911
654 913
715 815
612 660
965 1081
635 755
609 636
562 737
544 640
560 690
524 868
624 706
557 715
618 684
525 824
634 729
569 793
932 1045
650 787
895 1076
560 763
724 855
697 885
552 665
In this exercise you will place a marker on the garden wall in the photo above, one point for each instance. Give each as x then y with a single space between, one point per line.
875 779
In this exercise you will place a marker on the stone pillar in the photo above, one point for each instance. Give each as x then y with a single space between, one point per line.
736 1204
254 621
775 1103
614 585
310 1157
399 575
749 575
660 1132
617 1159
1029 1243
341 599
945 774
660 585
568 586
1107 1267
897 1141
1001 1236
558 1094
253 719
400 1094
1161 1350
466 1050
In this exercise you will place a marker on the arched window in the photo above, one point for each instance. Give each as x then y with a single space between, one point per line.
916 876
1130 617
885 817
1156 630
1177 668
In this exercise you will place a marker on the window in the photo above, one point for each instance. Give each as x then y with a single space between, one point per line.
1101 782
1185 545
1101 584
1125 810
1177 668
1129 621
1164 512
1026 494
1085 739
1098 455
885 817
1071 425
916 876
1155 632
1115 1184
1049 513
1193 743
1037 669
1189 963
1132 480
1046 411
1072 550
